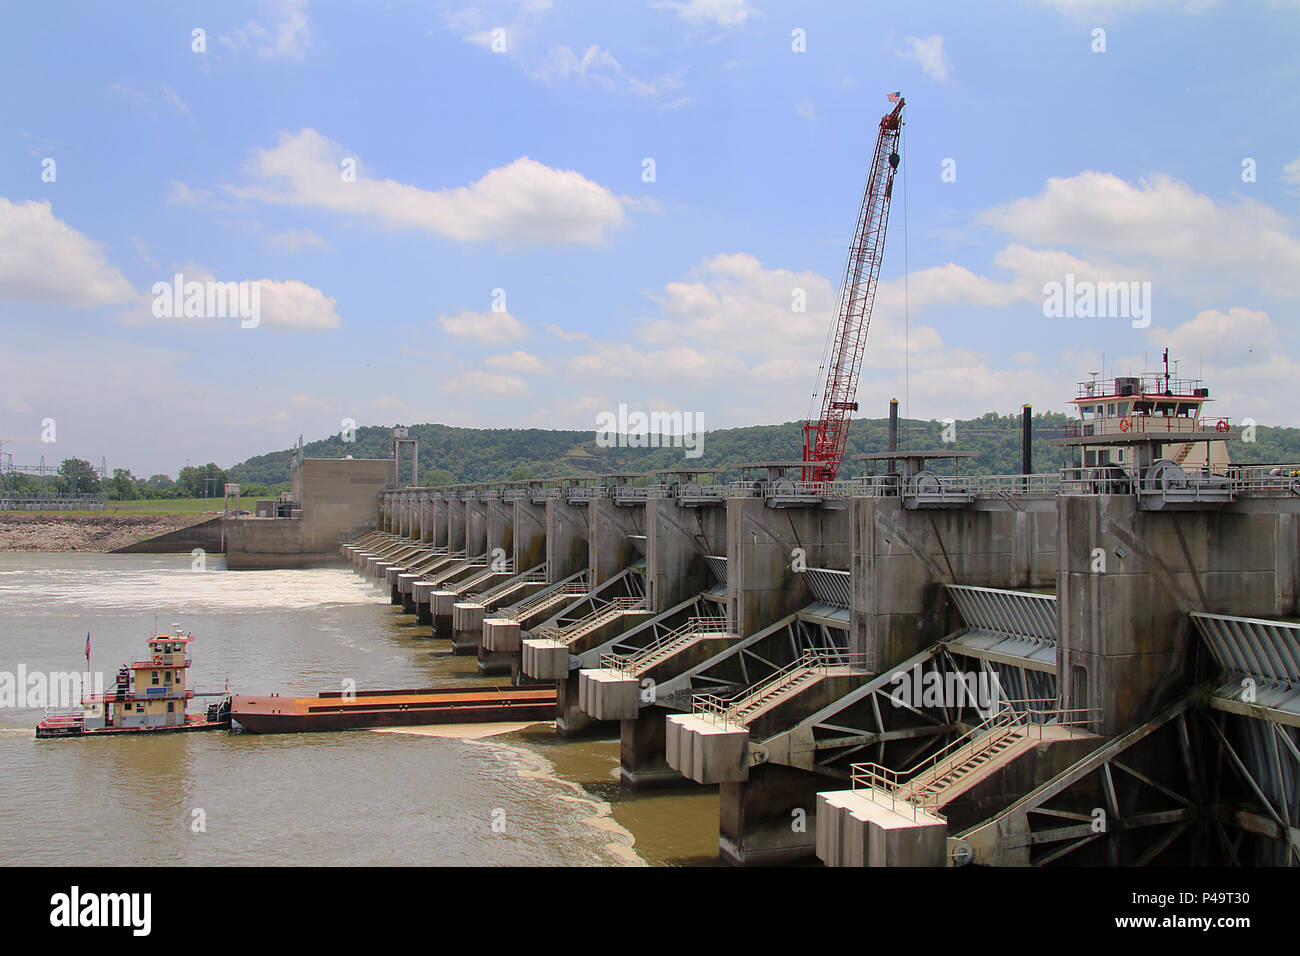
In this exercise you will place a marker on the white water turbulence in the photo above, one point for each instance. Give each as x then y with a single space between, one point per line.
165 583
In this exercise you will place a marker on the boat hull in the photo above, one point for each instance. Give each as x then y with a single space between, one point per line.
395 708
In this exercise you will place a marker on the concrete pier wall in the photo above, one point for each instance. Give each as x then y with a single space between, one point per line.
528 534
566 538
764 546
677 541
611 548
901 560
1127 580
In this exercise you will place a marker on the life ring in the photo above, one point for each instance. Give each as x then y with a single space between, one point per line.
1125 424
1222 426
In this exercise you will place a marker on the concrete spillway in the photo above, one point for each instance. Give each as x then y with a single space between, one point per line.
878 676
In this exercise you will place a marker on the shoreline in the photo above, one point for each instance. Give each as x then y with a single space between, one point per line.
46 532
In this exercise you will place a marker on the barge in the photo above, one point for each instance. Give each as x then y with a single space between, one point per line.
391 708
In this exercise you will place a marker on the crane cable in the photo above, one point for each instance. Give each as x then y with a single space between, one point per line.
907 320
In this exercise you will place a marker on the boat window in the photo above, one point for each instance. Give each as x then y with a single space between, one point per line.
171 707
1123 409
1187 408
139 708
1110 409
167 676
1085 410
155 676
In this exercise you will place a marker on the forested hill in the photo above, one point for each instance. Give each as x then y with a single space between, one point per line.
449 455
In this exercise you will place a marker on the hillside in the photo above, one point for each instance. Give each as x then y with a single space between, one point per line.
449 455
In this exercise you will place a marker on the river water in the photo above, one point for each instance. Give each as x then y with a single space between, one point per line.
442 797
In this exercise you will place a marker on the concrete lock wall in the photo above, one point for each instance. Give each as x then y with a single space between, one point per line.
677 541
903 558
610 548
566 539
500 528
1127 580
476 527
441 528
762 584
338 503
528 534
455 524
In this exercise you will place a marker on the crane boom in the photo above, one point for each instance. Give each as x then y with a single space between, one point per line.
824 439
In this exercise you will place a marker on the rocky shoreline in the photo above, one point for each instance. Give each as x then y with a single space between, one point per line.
51 531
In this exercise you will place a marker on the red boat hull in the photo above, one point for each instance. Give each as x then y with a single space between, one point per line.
392 708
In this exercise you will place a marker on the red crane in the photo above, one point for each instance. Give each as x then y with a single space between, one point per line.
824 439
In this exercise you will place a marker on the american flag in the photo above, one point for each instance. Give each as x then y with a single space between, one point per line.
895 96
87 646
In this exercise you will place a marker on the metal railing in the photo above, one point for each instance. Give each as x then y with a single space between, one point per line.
811 661
633 664
570 632
1011 717
541 600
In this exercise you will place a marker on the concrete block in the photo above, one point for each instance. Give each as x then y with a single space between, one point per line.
441 604
705 750
545 659
855 830
466 627
607 694
501 634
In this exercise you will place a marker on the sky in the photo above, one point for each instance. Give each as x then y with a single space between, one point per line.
525 213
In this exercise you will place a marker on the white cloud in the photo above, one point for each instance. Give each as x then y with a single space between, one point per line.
488 328
806 109
524 202
479 383
1086 10
295 306
723 13
564 334
43 259
598 65
174 99
287 36
1160 225
295 240
179 192
283 305
928 53
517 361
1291 172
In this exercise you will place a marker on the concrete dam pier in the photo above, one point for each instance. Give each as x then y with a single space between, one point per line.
901 669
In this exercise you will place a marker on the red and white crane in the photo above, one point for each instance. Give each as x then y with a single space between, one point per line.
824 439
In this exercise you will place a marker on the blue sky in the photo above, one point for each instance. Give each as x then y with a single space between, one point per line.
522 169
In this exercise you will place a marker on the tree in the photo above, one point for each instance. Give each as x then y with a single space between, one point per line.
205 482
80 477
123 486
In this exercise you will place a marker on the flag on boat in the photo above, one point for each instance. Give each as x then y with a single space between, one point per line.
87 646
895 96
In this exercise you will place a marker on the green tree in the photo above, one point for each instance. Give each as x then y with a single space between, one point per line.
80 477
123 486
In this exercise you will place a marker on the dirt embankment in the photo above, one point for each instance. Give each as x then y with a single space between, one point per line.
82 532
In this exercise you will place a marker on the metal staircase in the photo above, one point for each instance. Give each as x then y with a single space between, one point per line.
1014 729
786 682
659 651
570 633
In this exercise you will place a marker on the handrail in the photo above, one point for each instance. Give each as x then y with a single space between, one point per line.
876 778
570 632
629 663
811 660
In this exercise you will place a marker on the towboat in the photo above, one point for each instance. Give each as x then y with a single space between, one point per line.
149 696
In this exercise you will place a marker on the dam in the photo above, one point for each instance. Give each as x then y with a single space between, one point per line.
812 649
